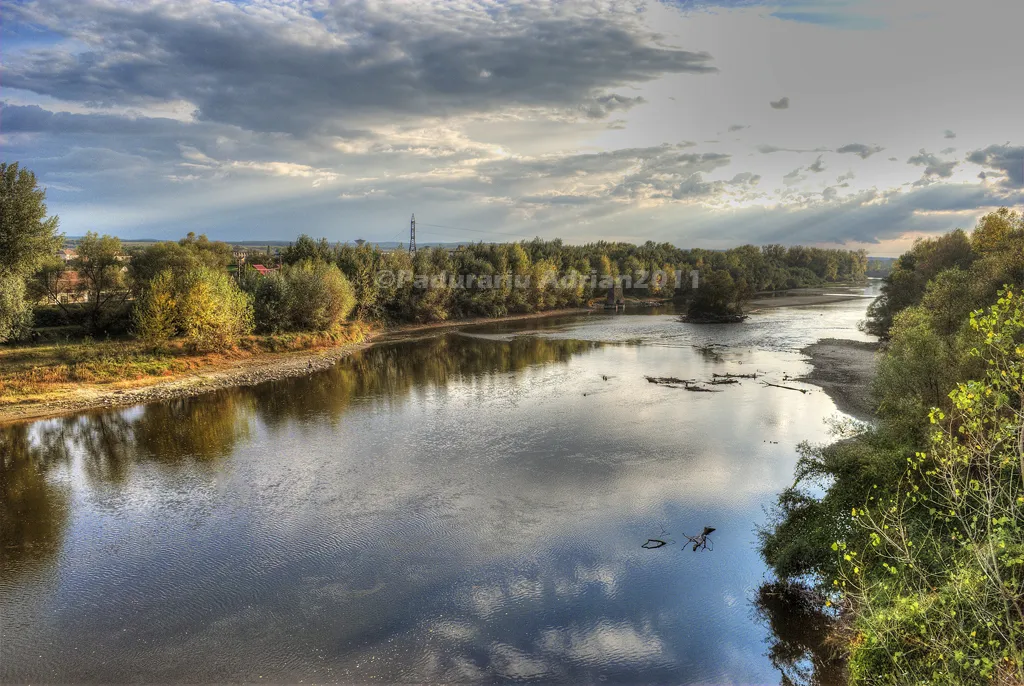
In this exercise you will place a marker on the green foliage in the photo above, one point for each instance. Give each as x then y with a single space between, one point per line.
271 301
27 236
925 511
155 314
305 249
212 312
15 313
938 589
185 255
27 239
319 296
101 269
203 306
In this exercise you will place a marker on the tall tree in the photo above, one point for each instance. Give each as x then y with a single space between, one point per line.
27 235
27 238
102 271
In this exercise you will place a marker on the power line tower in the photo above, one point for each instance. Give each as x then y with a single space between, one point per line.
412 234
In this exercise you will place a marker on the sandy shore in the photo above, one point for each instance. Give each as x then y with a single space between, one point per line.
844 369
246 372
801 300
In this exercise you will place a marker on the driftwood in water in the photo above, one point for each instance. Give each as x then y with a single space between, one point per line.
666 380
701 539
673 382
735 376
788 388
720 381
653 543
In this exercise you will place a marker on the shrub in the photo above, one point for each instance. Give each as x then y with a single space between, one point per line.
319 296
15 313
203 305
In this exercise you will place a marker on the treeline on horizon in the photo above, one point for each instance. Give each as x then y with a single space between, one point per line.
911 531
184 290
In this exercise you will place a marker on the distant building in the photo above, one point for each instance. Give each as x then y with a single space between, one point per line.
263 270
67 254
239 255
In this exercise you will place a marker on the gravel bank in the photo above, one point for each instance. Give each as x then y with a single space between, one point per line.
844 369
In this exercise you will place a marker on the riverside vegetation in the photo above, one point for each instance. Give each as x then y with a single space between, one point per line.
117 312
917 543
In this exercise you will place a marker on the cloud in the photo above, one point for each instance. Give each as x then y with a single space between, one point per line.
933 166
284 67
947 151
949 134
737 127
863 151
745 179
769 149
837 20
781 104
1007 160
793 177
817 166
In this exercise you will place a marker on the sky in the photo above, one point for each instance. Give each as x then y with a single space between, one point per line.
857 123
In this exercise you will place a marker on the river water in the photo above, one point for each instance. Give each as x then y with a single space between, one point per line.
468 506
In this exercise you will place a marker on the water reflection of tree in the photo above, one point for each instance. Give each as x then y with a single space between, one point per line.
799 646
33 508
389 373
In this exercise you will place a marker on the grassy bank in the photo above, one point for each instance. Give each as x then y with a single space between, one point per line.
52 379
40 372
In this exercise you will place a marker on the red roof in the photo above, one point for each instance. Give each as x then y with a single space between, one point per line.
261 269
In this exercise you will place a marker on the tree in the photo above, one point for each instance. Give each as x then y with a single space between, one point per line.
27 236
15 313
305 249
936 590
320 297
272 301
716 295
101 268
155 312
212 313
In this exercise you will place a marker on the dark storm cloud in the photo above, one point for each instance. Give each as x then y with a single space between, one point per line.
781 104
864 151
933 166
1006 159
817 166
276 68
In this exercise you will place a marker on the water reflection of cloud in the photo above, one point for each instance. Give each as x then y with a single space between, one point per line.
357 520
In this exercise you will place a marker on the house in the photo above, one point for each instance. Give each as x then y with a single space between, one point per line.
239 255
263 270
67 254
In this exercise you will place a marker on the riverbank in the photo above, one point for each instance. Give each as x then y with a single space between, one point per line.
185 376
844 369
801 300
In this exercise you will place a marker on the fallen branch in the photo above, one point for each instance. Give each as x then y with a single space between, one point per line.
788 388
735 376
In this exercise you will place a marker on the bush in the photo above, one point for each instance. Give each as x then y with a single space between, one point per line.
271 303
15 313
202 305
319 296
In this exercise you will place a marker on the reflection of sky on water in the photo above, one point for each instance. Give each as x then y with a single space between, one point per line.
406 517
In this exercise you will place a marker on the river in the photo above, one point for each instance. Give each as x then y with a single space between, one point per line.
466 506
